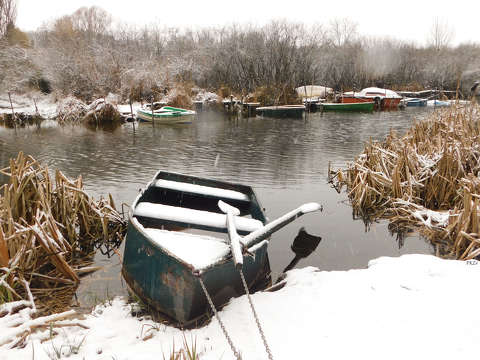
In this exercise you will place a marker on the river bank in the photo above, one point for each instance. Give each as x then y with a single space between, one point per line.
396 308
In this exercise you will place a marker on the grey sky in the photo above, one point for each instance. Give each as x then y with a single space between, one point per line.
405 20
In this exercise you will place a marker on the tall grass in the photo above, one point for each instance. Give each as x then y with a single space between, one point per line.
427 179
48 227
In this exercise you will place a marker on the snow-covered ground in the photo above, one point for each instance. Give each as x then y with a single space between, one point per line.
46 105
410 307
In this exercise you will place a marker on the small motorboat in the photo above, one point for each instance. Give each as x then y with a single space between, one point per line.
383 98
438 103
415 102
159 113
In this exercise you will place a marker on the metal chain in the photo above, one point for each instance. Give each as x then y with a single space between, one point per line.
229 340
255 315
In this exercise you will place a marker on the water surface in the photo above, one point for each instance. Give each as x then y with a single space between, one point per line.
285 160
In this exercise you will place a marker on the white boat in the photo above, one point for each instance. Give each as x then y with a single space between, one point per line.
165 114
438 103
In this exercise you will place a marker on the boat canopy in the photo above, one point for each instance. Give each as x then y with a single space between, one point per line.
310 91
373 92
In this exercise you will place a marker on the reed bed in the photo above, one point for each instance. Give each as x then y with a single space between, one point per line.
427 179
49 228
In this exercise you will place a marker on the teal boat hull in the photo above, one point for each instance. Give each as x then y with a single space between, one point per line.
281 111
358 106
171 286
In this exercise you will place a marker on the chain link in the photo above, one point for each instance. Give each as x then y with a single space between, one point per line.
255 315
229 340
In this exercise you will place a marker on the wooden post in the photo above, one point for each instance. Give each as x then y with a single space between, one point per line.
36 108
151 108
13 112
37 115
131 113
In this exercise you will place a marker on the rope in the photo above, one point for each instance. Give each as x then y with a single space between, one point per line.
255 315
229 340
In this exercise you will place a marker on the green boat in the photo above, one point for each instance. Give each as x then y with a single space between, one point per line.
178 234
165 114
358 106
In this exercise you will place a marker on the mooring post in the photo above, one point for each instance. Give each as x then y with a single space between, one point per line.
131 113
151 108
13 112
36 108
37 114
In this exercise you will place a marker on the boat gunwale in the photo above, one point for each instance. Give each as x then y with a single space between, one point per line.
140 228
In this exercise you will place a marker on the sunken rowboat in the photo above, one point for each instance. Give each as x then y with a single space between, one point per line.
178 233
281 111
165 114
360 106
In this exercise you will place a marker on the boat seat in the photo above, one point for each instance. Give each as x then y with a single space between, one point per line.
200 218
201 189
200 251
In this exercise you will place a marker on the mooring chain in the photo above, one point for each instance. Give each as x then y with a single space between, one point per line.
255 315
229 340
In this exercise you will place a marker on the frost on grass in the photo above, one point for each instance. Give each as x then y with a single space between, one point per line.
427 179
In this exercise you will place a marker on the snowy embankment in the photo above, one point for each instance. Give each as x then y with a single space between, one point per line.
411 307
29 104
48 107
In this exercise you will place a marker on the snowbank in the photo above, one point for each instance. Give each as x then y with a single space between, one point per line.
47 108
411 307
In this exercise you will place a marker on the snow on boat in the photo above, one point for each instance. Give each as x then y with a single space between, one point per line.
383 98
359 106
438 103
313 91
177 234
165 114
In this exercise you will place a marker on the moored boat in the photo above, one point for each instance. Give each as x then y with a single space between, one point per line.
358 106
163 267
438 103
383 98
165 114
415 102
281 111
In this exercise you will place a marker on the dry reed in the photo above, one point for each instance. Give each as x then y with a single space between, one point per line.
428 179
47 228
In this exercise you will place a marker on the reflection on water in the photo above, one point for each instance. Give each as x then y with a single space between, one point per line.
285 160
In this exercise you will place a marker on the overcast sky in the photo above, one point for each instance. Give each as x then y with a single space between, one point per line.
405 20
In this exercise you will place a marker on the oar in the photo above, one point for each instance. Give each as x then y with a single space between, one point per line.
232 232
303 245
277 224
237 242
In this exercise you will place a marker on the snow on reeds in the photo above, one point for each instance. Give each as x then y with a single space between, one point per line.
47 227
72 111
427 179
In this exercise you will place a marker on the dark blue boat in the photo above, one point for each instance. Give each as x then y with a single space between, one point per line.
416 102
177 233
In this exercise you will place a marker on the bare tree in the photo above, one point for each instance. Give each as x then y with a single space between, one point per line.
8 15
441 34
91 20
343 31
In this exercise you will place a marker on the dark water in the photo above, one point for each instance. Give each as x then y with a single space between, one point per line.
285 160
